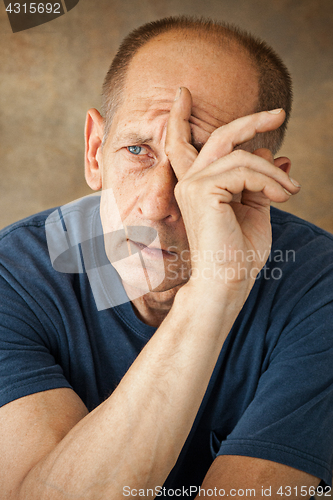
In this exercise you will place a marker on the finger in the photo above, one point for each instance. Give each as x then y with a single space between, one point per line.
178 147
245 161
283 163
226 138
234 182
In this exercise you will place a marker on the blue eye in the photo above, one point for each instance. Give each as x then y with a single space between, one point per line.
135 150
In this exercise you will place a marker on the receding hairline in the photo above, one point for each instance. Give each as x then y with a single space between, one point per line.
228 44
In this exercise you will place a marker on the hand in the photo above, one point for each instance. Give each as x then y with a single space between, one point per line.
224 194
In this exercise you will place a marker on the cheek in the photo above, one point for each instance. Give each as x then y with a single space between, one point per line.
119 199
120 174
122 186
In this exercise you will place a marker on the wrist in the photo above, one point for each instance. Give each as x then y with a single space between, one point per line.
220 290
220 303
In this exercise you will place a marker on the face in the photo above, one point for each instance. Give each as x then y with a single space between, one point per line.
136 175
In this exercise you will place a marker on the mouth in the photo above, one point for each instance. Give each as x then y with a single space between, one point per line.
151 251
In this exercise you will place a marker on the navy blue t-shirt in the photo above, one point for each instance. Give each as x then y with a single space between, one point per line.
271 393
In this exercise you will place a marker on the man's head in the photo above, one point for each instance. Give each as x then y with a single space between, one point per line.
274 82
125 151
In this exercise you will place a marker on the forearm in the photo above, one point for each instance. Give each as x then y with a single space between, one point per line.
134 437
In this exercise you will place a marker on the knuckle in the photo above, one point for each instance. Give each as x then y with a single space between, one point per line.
187 188
177 191
241 170
167 148
217 132
221 135
193 187
170 149
180 188
239 154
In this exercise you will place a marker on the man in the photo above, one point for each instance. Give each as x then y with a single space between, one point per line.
220 376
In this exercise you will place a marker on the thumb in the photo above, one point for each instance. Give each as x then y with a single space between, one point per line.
178 147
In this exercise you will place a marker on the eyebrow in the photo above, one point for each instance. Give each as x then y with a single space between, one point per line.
132 138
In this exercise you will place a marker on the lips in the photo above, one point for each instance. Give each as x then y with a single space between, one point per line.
152 251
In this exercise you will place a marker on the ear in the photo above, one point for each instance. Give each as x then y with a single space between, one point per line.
93 134
283 163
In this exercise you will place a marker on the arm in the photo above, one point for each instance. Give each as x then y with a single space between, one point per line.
135 436
232 474
95 459
253 477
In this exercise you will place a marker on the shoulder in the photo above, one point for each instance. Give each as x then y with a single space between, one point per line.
31 236
296 281
38 222
35 221
296 231
27 272
23 247
298 246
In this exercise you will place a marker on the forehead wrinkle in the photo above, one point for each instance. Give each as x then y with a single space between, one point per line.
153 106
206 126
137 132
213 113
145 103
156 104
215 117
207 120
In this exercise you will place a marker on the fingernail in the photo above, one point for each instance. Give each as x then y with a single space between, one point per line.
179 91
296 184
275 111
286 191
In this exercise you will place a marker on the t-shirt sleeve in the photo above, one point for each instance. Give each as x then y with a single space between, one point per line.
27 345
290 419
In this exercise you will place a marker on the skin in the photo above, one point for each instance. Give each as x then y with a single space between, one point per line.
194 201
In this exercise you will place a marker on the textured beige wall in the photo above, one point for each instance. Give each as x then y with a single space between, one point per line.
50 76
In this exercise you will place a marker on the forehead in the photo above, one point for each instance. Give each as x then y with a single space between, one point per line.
221 79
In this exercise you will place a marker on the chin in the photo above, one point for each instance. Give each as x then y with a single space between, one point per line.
169 287
139 281
139 278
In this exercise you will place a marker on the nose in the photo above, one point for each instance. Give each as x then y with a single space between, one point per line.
157 201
